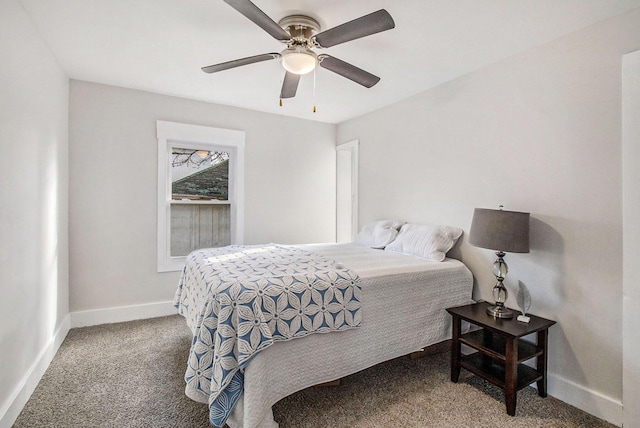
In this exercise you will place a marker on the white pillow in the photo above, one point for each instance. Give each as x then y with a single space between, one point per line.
378 234
425 241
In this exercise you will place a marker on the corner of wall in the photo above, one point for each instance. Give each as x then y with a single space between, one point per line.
585 399
11 409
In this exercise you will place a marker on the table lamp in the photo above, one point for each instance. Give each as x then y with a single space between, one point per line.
501 231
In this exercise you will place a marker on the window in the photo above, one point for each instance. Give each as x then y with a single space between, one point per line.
200 190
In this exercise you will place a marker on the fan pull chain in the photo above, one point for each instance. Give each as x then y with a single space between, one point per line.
314 89
280 102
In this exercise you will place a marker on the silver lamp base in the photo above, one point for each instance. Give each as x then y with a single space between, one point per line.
499 312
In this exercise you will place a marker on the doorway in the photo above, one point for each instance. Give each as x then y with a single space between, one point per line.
347 191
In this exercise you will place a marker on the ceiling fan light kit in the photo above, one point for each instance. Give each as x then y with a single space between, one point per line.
302 35
298 60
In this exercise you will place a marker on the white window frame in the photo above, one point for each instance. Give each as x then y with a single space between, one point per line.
172 134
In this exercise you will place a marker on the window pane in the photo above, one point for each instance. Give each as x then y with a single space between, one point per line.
199 226
199 174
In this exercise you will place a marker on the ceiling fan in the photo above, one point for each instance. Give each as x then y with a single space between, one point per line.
302 35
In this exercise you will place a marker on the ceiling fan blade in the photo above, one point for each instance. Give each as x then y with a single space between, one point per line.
290 85
364 26
347 70
239 62
259 18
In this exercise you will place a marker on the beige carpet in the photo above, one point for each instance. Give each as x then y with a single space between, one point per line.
130 375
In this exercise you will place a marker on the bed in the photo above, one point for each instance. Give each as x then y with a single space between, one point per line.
391 304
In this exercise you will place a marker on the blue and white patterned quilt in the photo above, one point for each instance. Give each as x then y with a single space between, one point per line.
238 300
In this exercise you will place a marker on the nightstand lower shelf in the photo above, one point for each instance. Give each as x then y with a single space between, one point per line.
494 370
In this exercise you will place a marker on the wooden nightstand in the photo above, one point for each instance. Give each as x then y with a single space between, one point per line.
501 351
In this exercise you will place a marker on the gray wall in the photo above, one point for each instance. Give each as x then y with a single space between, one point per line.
34 274
539 132
289 187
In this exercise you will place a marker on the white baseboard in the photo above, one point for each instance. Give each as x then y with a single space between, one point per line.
10 410
585 399
122 314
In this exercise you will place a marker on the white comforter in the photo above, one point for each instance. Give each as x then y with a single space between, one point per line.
403 309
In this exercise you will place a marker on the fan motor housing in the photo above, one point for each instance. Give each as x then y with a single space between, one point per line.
300 27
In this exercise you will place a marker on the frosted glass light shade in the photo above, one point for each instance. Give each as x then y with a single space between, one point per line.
299 61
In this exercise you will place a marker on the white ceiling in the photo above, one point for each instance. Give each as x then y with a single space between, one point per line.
160 46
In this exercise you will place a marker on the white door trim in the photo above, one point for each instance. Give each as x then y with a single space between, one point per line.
354 148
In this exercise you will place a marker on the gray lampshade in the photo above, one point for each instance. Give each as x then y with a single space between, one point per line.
500 230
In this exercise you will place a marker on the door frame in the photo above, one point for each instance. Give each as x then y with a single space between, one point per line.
353 147
631 238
